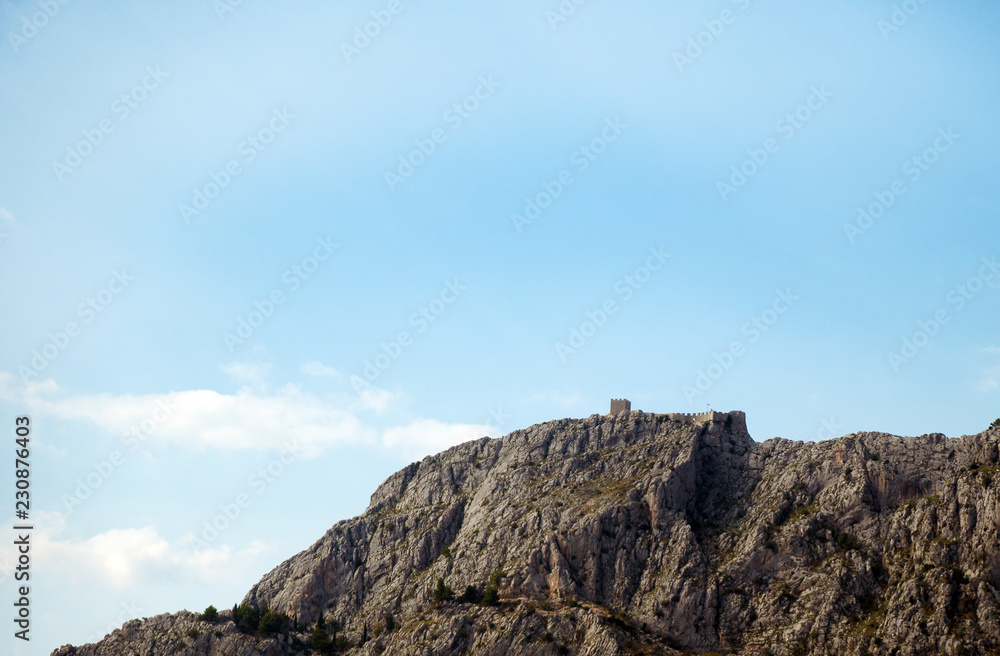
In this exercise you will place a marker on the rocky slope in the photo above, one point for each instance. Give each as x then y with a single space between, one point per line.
645 534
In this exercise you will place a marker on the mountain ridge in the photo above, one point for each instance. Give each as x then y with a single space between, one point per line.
649 533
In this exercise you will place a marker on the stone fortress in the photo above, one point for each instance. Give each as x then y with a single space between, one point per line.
624 405
620 405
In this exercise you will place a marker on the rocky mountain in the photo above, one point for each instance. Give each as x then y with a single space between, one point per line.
641 534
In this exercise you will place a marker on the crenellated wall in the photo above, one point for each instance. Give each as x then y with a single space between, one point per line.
698 417
620 405
624 405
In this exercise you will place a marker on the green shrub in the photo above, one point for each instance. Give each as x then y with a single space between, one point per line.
620 619
496 576
271 623
210 615
320 640
246 618
490 596
471 595
253 621
442 592
848 542
193 633
996 422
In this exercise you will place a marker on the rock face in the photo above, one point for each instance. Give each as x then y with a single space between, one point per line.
646 534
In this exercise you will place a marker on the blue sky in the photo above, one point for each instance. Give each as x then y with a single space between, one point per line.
472 221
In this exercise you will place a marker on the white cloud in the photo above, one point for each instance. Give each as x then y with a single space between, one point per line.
373 398
245 420
317 368
6 215
248 419
990 381
428 436
248 373
134 556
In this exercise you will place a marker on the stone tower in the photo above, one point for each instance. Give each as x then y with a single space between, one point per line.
620 405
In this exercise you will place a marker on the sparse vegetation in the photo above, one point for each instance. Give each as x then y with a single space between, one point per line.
491 596
848 542
619 619
321 640
246 618
496 576
442 593
271 623
804 511
254 621
471 595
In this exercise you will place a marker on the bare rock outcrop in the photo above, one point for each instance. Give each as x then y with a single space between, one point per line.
645 534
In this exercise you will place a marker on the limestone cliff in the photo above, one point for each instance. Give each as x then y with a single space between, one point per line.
645 534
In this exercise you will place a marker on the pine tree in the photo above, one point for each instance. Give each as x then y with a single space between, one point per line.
442 592
491 596
320 640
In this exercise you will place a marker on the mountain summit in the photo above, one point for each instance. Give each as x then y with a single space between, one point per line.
638 533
